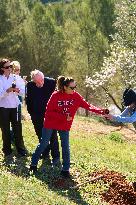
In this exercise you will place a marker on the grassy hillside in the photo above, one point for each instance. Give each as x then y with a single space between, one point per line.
91 152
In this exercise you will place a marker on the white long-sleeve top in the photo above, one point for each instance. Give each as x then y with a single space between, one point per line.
10 100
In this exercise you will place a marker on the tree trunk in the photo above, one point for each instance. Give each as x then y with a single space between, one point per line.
86 98
112 98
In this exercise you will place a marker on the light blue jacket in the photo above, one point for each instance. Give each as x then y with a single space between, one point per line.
127 116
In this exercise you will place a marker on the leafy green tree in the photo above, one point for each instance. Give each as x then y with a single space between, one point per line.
45 41
87 44
119 69
12 40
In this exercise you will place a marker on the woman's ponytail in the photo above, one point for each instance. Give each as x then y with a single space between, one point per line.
60 83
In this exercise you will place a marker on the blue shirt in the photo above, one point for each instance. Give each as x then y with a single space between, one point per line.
127 116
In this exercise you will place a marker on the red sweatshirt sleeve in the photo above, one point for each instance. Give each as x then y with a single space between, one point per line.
90 107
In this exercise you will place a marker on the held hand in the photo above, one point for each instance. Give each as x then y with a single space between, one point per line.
69 118
17 90
105 111
10 90
109 116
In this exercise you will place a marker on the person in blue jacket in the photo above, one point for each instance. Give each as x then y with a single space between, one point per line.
129 114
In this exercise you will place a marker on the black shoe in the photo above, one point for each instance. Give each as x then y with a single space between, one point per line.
65 174
22 152
33 169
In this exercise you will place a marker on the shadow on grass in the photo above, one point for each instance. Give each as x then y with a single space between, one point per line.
47 174
16 165
63 186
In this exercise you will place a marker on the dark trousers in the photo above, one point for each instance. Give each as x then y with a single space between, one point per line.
53 145
7 116
11 130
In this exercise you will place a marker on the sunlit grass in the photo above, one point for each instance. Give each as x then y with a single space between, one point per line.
89 153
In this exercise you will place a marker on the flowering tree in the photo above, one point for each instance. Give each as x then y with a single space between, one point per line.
120 66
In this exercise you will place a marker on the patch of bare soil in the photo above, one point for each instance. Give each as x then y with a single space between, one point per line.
62 183
120 192
94 127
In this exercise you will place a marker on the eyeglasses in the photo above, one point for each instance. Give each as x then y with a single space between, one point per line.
7 67
16 70
72 88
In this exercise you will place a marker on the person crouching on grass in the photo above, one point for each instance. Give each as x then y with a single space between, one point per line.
60 111
129 114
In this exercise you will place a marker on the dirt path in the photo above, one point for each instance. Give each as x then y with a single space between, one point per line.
92 126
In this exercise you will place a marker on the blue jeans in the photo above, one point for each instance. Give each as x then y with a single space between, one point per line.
46 135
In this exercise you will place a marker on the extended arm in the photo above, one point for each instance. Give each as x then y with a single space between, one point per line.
91 107
128 119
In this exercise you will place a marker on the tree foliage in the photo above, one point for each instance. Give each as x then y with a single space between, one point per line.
59 38
119 68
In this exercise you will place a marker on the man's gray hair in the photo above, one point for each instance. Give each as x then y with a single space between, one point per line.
36 73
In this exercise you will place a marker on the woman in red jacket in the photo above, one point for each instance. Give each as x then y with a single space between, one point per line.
59 115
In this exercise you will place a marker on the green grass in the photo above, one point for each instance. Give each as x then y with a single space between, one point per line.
89 153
